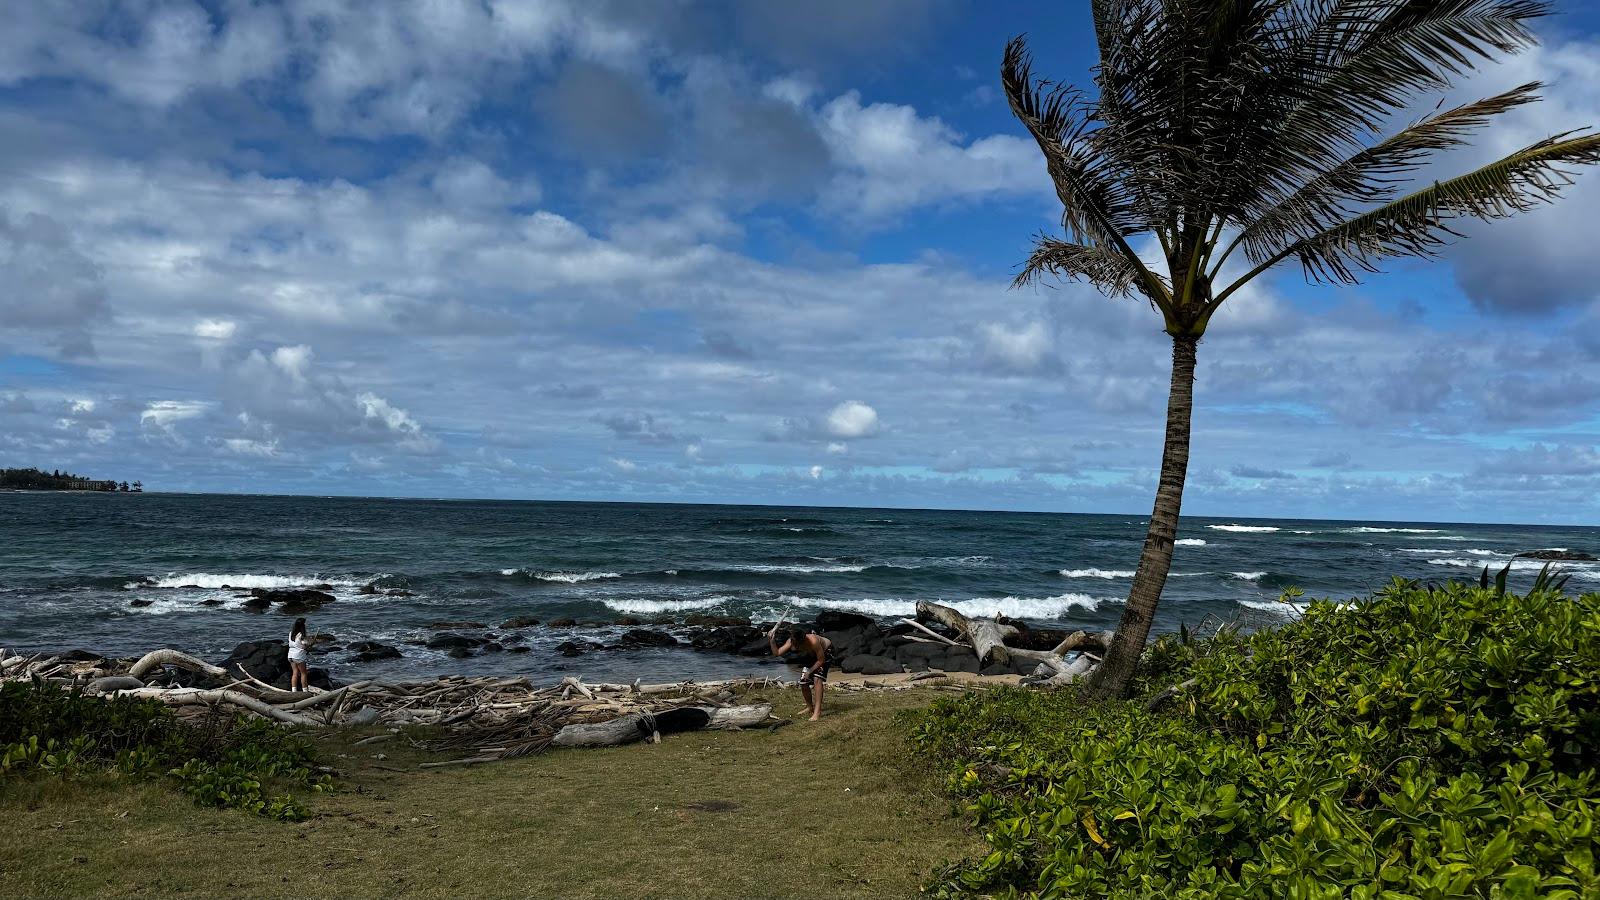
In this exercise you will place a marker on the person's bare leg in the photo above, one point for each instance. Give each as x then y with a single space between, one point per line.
816 709
805 691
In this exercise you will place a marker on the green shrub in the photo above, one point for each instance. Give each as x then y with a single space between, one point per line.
222 761
1432 742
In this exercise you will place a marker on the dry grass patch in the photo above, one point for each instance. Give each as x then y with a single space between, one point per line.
816 809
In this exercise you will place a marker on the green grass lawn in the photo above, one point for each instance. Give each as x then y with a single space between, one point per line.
829 809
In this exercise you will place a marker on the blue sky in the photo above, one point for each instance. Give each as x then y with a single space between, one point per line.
719 252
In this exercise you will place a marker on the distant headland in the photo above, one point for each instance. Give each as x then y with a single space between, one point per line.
40 480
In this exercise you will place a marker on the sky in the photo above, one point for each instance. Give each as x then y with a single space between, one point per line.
711 252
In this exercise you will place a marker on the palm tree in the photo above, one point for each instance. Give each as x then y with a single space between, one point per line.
1263 129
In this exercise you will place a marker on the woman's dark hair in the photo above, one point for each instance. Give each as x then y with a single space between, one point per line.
299 628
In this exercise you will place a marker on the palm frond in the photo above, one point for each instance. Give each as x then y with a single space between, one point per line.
1107 269
1368 59
1372 175
1419 223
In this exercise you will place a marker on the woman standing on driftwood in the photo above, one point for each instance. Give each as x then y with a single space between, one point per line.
299 656
815 675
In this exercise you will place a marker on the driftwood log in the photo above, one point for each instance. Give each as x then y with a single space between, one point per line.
155 659
987 637
645 725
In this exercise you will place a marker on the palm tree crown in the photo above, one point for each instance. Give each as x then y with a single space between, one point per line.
1264 129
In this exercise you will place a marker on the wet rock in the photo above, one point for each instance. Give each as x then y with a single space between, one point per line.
452 626
290 602
518 649
396 592
257 604
140 604
702 620
1559 555
838 620
643 637
730 639
458 653
368 651
576 648
211 601
629 621
868 664
449 640
519 622
369 589
563 622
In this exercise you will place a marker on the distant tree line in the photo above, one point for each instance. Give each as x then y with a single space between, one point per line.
40 480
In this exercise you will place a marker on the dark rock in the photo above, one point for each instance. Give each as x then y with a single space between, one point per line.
369 589
268 661
368 651
996 669
396 592
211 601
852 641
138 604
563 622
838 620
730 639
702 620
492 647
291 602
518 649
1559 555
449 640
925 652
81 656
519 622
643 637
958 662
257 604
322 587
868 664
576 648
629 621
458 653
451 626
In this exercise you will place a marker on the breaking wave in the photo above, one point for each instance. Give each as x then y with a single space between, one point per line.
244 582
1097 573
1190 542
1014 607
1245 528
1248 576
645 607
1372 529
561 577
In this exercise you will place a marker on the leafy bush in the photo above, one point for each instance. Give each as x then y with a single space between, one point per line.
1431 742
223 761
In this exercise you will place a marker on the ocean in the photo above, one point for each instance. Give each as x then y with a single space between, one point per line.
72 566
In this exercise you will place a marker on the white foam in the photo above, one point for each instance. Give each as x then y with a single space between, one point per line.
1274 606
1015 607
1440 551
1371 529
1579 568
664 606
1248 576
214 581
1190 542
1097 573
563 577
1248 528
801 570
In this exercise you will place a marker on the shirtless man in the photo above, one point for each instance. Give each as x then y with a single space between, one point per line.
814 676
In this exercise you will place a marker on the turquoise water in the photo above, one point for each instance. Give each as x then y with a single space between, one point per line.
71 565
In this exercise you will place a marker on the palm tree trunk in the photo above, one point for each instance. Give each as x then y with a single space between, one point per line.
1114 677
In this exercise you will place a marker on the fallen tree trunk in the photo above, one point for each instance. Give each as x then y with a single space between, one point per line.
196 696
988 637
157 658
640 726
1085 640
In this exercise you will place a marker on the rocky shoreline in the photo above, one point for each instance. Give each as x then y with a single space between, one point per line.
861 643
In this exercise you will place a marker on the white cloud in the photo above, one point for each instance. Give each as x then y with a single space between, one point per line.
215 329
852 419
250 447
164 414
838 449
816 473
1026 348
891 160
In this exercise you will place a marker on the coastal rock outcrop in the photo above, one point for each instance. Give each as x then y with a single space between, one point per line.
292 602
268 661
1559 555
868 664
369 651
